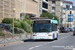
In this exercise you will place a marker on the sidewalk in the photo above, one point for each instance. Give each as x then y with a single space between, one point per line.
12 43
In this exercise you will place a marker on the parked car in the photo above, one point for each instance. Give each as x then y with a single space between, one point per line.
73 28
70 29
66 29
5 26
74 31
63 29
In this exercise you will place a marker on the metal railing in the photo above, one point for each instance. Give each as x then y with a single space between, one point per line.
17 37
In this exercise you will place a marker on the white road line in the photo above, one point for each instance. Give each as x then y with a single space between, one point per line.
34 47
31 48
73 48
47 43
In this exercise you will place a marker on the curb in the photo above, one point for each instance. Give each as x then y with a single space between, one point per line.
9 44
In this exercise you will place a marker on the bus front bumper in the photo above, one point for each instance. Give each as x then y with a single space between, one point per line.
42 38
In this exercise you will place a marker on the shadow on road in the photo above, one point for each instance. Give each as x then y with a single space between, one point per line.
31 40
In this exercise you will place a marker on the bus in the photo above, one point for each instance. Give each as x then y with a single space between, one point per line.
45 29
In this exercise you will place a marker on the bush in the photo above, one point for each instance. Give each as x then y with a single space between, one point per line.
26 27
2 34
17 30
17 24
7 20
50 16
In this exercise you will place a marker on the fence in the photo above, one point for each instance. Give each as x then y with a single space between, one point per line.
16 37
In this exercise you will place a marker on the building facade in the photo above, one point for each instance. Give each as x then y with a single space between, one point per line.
23 7
58 8
29 7
70 18
6 9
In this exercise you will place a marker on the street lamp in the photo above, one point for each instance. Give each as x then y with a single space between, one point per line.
13 20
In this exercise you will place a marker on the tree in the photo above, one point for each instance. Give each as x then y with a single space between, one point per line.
50 16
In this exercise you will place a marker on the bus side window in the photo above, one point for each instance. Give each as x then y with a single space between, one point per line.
52 27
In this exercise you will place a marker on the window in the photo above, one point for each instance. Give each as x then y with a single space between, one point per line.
53 14
35 1
47 0
70 12
53 1
44 5
53 8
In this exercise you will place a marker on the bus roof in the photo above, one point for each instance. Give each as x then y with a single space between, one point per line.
55 21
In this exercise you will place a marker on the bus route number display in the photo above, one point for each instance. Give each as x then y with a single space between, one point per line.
43 21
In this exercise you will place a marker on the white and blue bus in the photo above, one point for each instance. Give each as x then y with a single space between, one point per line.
45 29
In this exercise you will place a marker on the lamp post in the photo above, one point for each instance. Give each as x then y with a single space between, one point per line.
13 21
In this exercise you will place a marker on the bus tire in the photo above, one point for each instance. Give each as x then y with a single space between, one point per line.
57 37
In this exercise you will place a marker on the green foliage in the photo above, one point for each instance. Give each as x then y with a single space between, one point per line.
26 19
17 31
17 24
25 24
7 20
11 25
50 16
1 33
26 27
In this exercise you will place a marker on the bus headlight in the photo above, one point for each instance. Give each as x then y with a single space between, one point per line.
49 35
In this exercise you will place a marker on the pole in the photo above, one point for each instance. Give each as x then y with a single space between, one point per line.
13 21
61 16
13 24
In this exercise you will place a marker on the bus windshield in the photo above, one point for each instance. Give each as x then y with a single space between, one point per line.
42 27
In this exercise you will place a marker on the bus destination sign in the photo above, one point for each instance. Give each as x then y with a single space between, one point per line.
42 21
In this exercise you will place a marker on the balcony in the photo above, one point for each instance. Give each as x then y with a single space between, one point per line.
53 10
63 6
44 9
63 11
53 4
45 1
63 16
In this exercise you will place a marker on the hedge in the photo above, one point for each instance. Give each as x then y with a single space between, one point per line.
7 20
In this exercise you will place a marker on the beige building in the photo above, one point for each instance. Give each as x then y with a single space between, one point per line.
6 9
58 8
70 14
30 7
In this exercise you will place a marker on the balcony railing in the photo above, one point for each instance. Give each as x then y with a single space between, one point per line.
45 1
63 16
45 9
53 4
63 11
53 10
63 6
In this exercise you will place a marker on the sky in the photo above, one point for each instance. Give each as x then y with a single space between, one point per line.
71 1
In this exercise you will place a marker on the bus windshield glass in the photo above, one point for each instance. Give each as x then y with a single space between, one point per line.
42 27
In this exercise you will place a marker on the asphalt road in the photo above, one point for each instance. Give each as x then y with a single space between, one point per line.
66 41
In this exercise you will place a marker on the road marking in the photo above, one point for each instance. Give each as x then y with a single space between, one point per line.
47 43
34 47
73 48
